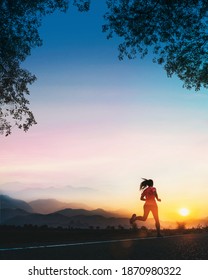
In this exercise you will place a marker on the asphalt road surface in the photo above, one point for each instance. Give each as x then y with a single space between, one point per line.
178 247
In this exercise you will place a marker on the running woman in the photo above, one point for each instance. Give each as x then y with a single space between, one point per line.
149 195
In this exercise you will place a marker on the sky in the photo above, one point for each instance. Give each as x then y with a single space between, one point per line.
103 124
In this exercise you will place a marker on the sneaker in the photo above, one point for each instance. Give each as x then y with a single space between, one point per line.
133 219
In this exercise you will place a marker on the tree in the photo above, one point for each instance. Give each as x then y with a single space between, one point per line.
181 226
19 23
175 31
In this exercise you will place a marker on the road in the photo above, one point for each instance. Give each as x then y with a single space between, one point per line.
178 247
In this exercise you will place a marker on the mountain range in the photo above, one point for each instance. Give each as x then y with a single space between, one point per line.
19 213
29 192
54 213
47 206
11 203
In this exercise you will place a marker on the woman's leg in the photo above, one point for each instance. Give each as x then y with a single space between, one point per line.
156 217
145 215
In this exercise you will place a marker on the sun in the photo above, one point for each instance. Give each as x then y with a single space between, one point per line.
184 212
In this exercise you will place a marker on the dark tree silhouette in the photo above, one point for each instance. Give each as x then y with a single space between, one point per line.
19 23
175 31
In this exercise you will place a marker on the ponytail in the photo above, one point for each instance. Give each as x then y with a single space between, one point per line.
146 183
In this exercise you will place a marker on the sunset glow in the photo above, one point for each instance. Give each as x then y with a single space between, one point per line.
103 124
184 212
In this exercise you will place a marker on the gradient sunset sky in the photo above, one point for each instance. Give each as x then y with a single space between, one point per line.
104 123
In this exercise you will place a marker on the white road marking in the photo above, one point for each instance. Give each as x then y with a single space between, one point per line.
84 243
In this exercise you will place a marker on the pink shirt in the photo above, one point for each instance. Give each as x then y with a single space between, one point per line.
149 194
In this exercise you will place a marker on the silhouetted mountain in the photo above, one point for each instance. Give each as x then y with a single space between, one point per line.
82 221
18 212
68 212
47 206
121 213
6 214
80 218
10 203
51 220
56 220
100 211
34 192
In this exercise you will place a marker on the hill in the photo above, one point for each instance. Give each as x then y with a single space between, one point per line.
58 220
6 202
18 212
6 214
47 206
68 212
51 220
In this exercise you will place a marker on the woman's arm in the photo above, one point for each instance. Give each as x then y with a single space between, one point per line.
156 196
143 198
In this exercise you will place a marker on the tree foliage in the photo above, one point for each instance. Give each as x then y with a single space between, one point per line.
175 31
19 23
